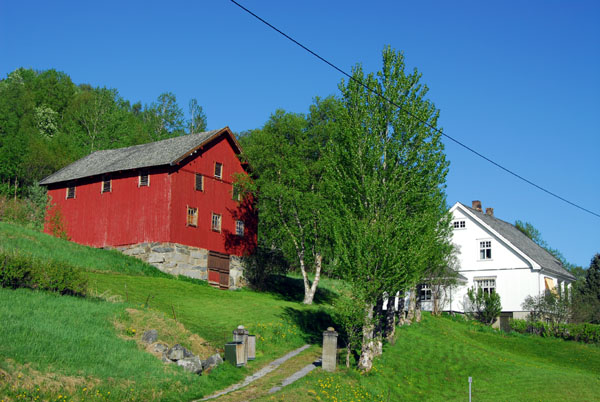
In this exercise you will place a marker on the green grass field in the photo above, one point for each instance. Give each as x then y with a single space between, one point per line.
60 348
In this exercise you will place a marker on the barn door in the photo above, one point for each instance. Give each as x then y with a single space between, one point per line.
218 270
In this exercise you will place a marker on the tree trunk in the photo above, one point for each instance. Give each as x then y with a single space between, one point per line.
417 317
309 293
369 347
412 305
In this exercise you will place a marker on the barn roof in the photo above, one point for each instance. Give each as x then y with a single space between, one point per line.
166 152
519 240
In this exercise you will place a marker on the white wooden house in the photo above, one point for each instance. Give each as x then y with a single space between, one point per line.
494 255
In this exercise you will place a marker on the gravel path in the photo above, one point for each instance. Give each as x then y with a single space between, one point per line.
259 374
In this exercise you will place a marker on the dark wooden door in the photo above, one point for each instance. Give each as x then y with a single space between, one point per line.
218 270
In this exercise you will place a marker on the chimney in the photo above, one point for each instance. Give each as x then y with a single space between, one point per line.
477 205
489 211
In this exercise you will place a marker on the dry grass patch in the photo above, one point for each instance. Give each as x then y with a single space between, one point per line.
136 322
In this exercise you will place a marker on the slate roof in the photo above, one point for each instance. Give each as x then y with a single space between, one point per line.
165 152
519 240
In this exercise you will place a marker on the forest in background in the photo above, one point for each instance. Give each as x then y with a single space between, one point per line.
47 122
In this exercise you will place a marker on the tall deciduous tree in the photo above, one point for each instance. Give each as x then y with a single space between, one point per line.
387 183
287 158
197 122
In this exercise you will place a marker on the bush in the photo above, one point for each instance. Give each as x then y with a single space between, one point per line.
484 307
25 271
588 333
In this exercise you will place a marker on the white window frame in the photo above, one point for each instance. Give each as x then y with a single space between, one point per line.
201 177
103 189
425 293
485 249
143 173
67 197
220 175
239 228
193 213
459 224
215 222
488 284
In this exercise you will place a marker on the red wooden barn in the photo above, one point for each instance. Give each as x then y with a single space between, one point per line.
172 203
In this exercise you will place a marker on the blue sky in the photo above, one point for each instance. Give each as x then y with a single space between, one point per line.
518 81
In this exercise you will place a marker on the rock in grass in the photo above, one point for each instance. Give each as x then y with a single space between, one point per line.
212 361
150 336
161 347
191 364
178 352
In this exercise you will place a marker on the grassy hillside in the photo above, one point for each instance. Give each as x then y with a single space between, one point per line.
433 360
86 349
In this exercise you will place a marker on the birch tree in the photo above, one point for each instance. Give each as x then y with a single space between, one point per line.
387 179
287 160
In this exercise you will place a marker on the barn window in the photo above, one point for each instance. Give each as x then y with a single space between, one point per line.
70 192
216 222
106 185
199 182
218 170
485 250
235 192
192 216
488 285
239 228
425 292
144 180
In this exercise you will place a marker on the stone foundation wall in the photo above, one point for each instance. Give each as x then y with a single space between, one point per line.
178 259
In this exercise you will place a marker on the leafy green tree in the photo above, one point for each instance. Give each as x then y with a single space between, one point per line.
197 122
587 294
287 161
483 306
164 118
387 187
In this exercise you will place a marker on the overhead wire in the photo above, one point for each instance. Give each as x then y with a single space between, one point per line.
399 107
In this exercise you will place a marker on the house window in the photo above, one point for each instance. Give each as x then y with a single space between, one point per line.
487 284
485 250
425 292
199 182
239 228
459 224
70 192
235 192
144 180
218 170
106 185
216 222
192 216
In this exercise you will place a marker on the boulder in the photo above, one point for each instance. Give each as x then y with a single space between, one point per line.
212 361
178 352
161 348
150 336
165 359
192 364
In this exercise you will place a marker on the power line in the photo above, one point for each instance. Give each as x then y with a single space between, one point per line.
350 77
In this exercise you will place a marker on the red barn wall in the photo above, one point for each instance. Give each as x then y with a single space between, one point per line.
216 197
127 215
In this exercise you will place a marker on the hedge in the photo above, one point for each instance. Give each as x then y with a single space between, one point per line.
19 270
588 333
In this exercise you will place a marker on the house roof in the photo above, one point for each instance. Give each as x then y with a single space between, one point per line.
519 240
166 152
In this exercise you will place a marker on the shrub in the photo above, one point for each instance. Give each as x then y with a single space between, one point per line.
484 307
19 270
588 333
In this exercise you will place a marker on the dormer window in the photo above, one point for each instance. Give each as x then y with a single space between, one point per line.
70 192
144 180
485 250
460 224
218 170
106 185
